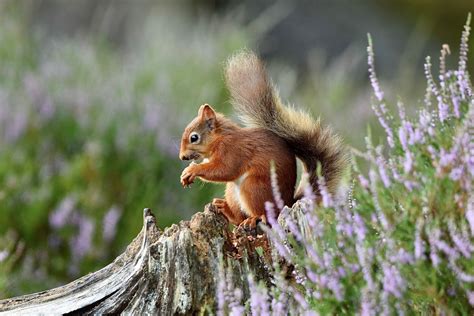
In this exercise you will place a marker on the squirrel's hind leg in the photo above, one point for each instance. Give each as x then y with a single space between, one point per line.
254 191
230 206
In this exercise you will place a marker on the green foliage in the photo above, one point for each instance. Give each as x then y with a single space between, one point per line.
400 238
89 136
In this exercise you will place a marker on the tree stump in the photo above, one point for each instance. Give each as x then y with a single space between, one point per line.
174 272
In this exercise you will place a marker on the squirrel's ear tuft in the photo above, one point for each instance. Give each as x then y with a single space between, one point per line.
207 114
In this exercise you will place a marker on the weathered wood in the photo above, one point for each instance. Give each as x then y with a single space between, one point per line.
167 273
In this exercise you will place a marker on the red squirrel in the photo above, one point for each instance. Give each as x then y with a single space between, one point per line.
241 156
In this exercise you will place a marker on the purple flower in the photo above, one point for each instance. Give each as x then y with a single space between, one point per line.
456 173
294 229
363 181
443 109
410 185
341 272
470 297
272 220
16 126
384 305
470 213
379 215
381 164
275 188
62 214
416 136
110 221
83 241
403 137
300 299
401 110
270 213
403 257
408 162
468 140
313 255
461 275
446 158
281 248
464 49
393 282
259 304
442 63
317 228
307 189
383 121
372 74
221 289
429 78
367 306
419 243
327 259
425 122
326 196
364 262
462 244
279 304
456 100
3 255
407 135
312 276
231 296
447 249
359 226
236 309
433 89
435 260
277 237
342 225
399 309
336 288
155 122
413 136
393 167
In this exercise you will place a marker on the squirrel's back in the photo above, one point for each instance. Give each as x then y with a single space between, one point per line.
258 105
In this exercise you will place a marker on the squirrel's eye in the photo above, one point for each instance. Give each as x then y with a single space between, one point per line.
194 138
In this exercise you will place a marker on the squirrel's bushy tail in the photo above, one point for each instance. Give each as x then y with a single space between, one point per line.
258 105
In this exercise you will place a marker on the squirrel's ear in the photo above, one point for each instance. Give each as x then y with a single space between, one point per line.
207 114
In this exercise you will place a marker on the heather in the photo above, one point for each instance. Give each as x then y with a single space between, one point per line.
399 239
89 135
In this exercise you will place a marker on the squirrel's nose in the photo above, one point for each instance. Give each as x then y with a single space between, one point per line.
183 157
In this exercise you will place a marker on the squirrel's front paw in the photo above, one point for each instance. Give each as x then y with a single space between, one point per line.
187 176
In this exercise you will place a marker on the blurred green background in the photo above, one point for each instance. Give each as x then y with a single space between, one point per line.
94 96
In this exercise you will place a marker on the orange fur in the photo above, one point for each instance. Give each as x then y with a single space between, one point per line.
241 157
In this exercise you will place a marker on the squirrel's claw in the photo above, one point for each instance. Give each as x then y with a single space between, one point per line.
251 223
187 177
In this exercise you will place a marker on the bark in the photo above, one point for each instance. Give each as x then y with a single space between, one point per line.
170 272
